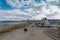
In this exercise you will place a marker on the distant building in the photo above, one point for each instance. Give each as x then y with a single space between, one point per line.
48 22
45 22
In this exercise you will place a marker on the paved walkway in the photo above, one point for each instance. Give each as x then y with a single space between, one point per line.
35 34
53 33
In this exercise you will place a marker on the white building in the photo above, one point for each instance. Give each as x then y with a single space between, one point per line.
45 22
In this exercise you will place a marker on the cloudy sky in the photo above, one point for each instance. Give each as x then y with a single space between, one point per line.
29 9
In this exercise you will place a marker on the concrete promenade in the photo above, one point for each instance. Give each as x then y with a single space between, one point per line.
35 34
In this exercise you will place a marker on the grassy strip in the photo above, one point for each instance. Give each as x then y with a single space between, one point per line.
58 28
10 28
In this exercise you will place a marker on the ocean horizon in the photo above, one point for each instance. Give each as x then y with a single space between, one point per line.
5 23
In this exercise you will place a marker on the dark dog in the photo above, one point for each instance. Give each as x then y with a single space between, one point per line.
25 29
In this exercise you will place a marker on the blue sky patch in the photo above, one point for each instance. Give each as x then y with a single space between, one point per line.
4 5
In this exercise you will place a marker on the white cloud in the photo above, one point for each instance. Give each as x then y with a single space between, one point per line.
15 18
39 17
29 10
52 13
50 0
17 3
15 14
57 16
54 3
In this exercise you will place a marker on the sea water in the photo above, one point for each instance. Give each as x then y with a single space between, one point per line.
9 23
